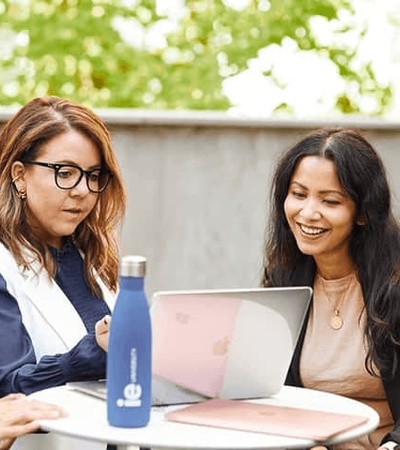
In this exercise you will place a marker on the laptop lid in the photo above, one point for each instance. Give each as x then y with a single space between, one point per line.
227 343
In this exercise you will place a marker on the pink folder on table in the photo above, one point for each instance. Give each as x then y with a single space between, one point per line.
271 419
227 343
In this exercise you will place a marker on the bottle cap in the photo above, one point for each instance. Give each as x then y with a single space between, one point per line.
133 266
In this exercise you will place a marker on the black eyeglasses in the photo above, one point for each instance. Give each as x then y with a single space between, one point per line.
67 176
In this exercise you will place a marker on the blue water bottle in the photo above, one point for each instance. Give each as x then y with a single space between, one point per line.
129 350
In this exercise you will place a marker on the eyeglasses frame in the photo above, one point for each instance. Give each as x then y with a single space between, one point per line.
87 173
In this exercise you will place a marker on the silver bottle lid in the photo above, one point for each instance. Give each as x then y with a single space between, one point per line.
133 266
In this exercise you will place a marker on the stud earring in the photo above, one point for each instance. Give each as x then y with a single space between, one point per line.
361 221
21 193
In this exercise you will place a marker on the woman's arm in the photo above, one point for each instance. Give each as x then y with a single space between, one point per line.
19 369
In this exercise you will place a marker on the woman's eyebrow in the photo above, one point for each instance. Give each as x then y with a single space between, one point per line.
324 191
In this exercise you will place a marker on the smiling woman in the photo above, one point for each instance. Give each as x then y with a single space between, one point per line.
332 228
61 199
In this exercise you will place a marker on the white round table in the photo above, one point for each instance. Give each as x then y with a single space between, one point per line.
87 419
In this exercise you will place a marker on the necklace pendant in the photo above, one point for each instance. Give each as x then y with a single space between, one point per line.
336 321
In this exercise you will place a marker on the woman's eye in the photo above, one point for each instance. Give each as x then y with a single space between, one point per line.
64 173
95 176
298 194
332 202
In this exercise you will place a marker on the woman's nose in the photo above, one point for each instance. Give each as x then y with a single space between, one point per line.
310 211
81 188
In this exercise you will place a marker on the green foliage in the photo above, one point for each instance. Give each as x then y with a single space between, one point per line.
73 49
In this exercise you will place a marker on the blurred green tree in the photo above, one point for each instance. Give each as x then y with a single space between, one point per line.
116 53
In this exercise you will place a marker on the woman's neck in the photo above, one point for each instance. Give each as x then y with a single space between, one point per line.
334 271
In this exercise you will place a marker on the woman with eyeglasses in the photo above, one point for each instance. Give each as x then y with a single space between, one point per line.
61 199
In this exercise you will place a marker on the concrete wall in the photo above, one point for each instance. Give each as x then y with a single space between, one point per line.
198 189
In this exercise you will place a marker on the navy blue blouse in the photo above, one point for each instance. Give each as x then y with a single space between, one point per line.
19 369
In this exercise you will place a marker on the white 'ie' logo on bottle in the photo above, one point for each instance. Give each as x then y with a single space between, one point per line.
132 394
132 391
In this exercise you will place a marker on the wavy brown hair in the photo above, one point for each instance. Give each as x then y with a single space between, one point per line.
21 138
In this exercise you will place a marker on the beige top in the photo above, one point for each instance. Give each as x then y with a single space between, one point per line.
333 360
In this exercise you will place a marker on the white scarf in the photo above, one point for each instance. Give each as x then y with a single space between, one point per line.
54 327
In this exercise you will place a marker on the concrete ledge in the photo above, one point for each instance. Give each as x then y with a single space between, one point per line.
220 119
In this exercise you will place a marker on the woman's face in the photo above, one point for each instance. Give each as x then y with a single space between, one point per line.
53 212
320 214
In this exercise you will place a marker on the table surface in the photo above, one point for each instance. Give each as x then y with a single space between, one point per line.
87 419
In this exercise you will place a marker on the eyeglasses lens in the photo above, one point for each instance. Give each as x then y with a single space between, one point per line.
69 176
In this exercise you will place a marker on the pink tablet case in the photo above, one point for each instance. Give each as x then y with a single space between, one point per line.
270 419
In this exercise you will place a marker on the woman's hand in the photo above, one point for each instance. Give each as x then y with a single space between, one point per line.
102 332
19 416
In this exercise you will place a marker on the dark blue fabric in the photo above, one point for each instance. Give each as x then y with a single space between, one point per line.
19 370
71 279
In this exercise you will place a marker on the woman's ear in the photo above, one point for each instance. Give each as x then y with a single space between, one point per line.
18 178
17 171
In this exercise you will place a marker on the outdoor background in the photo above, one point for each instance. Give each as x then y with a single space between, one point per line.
297 58
201 97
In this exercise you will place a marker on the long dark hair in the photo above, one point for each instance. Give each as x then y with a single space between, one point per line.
374 244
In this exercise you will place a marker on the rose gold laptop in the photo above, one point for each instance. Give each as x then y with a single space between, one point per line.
234 343
227 343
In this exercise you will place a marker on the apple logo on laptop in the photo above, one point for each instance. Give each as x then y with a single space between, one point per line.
221 346
182 318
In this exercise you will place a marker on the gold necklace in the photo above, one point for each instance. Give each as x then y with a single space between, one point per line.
336 320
